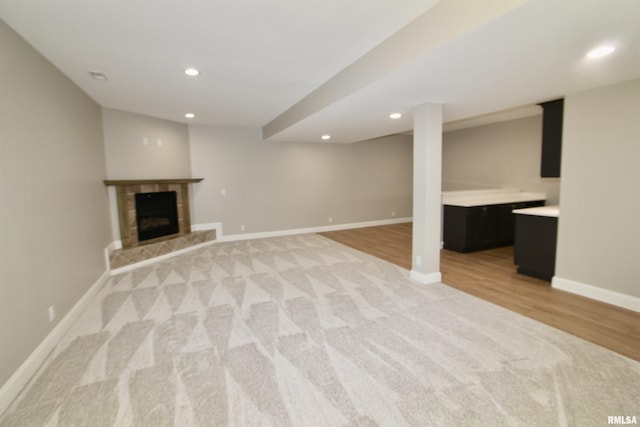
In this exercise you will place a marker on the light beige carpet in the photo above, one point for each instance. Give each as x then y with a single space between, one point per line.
302 331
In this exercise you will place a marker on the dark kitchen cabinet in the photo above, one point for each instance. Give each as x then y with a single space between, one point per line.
473 228
535 245
506 223
552 118
482 223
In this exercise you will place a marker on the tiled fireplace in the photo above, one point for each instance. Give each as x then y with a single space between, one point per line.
133 250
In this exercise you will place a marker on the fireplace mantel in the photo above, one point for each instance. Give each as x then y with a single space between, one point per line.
125 192
151 181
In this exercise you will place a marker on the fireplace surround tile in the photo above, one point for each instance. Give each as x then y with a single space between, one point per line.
134 251
125 192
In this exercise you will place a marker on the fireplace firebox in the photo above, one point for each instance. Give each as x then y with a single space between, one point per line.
126 189
156 214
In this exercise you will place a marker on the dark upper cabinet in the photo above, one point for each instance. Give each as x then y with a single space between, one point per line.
551 138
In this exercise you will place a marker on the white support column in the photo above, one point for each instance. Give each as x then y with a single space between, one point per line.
427 192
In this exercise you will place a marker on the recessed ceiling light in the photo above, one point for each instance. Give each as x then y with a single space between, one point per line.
192 72
98 75
601 51
395 116
325 137
189 115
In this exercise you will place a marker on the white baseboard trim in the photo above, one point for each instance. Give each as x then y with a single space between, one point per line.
320 229
25 372
220 237
426 279
600 294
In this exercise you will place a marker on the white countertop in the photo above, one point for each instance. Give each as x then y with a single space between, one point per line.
488 197
552 211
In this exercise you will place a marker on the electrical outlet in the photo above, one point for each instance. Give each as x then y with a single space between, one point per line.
223 192
242 227
330 219
418 260
52 313
393 213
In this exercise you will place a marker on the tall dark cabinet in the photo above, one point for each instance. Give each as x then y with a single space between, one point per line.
552 117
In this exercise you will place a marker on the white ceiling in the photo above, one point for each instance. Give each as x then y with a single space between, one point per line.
303 68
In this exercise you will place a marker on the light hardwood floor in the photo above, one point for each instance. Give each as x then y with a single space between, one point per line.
491 275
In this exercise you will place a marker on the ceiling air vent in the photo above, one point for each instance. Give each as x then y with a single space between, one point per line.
98 75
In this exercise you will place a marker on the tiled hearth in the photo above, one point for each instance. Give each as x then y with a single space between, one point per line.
133 251
127 256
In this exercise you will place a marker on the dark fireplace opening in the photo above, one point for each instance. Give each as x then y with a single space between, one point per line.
156 214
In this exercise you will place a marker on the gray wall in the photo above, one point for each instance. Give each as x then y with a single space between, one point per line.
505 154
599 230
142 147
53 205
280 186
